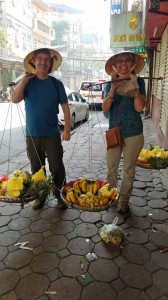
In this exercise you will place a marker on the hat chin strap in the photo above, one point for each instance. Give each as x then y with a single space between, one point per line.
125 75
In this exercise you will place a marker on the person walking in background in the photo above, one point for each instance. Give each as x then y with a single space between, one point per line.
42 95
124 101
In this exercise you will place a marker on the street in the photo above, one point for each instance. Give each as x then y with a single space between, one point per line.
12 139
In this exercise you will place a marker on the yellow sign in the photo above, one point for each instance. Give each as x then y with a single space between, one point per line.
134 22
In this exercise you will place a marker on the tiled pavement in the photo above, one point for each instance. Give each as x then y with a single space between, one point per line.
58 267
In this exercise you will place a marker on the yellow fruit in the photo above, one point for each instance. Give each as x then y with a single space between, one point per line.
19 173
76 187
39 176
84 186
89 194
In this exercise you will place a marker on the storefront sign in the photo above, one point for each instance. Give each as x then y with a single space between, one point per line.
116 6
126 30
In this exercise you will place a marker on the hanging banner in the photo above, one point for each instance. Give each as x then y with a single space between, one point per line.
126 30
116 6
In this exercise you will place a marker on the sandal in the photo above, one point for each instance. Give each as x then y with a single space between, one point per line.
123 207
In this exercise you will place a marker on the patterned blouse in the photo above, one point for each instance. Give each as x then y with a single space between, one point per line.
123 113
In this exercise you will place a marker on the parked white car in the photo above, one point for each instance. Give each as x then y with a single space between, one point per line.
79 109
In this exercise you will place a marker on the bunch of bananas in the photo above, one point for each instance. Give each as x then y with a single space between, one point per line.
87 193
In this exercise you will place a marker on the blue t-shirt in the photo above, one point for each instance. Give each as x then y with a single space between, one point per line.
41 105
123 113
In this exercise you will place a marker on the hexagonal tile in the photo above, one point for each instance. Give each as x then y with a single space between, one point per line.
80 246
9 280
19 224
98 291
45 262
18 259
104 270
159 239
138 222
135 276
107 250
62 227
34 239
160 259
160 286
136 236
3 253
40 225
71 265
9 238
4 220
32 287
66 288
90 217
54 243
132 251
86 230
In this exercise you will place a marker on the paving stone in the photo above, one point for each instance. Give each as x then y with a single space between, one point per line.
18 259
118 285
129 294
151 267
10 210
34 239
77 221
9 296
32 286
158 214
141 281
160 286
80 246
90 217
66 288
9 280
29 212
85 279
63 253
3 253
136 236
25 231
136 254
71 236
138 222
120 261
35 218
157 195
160 259
4 220
161 227
96 239
63 227
104 270
54 243
157 204
143 178
9 238
3 229
40 225
151 247
137 211
109 217
107 250
49 213
86 230
45 262
37 250
19 224
98 291
139 185
139 193
69 214
71 265
25 271
54 275
138 201
163 298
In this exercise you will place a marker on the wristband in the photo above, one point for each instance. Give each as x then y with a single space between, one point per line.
108 96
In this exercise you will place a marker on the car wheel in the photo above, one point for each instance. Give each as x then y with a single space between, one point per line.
72 122
87 115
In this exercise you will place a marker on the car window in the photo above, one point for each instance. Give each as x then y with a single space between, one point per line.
71 97
95 88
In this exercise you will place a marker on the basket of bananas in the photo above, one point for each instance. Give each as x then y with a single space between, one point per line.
22 187
89 194
153 158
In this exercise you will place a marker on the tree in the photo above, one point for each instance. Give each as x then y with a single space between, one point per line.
4 39
61 29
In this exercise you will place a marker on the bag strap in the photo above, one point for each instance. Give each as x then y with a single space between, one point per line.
56 86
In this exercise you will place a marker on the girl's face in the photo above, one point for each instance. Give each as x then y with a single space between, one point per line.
124 63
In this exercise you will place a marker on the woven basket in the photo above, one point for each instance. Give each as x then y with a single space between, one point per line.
76 206
16 200
143 165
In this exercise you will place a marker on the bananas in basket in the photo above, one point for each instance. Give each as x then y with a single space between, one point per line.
88 193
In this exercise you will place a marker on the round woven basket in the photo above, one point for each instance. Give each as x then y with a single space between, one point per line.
76 206
143 165
16 200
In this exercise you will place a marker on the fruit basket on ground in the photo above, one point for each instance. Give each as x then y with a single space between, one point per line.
153 158
21 187
89 194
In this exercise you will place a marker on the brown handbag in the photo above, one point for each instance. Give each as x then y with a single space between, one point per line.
113 137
